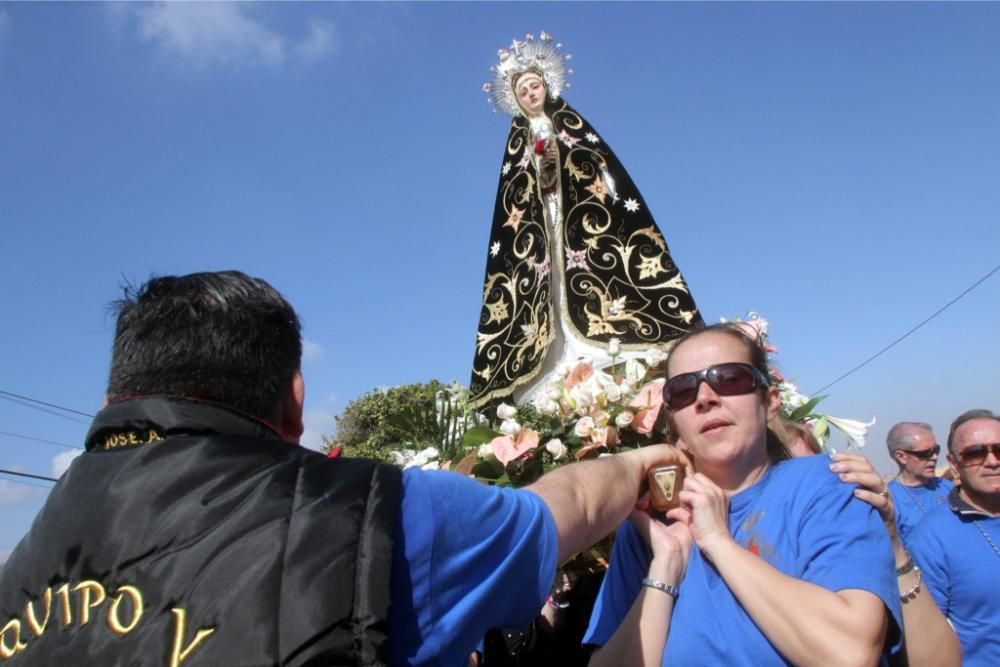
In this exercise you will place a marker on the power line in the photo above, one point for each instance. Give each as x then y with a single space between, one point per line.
29 475
45 403
47 487
907 334
47 442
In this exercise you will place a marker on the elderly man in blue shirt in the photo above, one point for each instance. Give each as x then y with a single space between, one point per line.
957 545
916 489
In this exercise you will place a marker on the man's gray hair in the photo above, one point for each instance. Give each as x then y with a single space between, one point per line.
968 416
901 435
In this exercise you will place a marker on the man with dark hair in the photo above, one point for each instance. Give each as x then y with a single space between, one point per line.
194 530
957 545
917 488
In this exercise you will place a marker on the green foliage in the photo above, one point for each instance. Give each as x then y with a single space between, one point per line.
382 421
803 411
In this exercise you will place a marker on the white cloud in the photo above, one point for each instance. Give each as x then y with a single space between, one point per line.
318 43
61 461
318 422
311 350
211 34
15 493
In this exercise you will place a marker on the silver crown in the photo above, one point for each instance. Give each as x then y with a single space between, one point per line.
530 54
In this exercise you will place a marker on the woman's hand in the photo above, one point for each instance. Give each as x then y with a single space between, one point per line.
671 543
856 469
706 510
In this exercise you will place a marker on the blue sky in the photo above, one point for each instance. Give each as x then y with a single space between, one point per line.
833 166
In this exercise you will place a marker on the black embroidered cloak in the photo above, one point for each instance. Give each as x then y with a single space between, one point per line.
619 279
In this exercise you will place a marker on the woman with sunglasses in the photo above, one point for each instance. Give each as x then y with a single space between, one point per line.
768 560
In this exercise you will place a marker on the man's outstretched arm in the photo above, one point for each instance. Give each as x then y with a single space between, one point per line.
589 499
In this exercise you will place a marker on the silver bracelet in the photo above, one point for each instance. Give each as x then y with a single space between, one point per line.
914 590
669 589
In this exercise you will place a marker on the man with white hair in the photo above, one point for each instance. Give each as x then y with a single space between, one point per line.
916 489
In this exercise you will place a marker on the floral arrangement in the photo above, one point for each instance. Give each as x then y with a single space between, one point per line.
586 412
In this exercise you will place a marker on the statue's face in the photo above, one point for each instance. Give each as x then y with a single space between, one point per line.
530 91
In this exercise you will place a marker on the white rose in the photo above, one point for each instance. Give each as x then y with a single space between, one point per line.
584 427
613 393
614 346
485 451
553 393
510 427
556 448
505 411
623 419
548 408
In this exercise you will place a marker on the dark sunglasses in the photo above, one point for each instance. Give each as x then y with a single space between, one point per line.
731 379
924 454
975 455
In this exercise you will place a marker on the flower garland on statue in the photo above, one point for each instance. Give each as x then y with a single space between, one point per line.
587 412
583 413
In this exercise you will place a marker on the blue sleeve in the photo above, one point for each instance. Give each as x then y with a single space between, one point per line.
466 557
843 544
928 551
629 564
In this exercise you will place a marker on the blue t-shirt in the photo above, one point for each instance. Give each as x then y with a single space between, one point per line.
959 569
802 520
913 502
466 557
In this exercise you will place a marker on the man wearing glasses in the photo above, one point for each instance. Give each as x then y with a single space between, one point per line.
958 544
916 489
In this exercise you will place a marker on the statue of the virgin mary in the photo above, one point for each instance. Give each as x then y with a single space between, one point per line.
577 267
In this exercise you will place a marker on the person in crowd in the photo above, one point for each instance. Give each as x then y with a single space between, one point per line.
929 640
195 530
766 561
797 438
916 489
957 543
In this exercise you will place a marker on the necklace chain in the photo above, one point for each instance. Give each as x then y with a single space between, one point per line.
975 522
913 498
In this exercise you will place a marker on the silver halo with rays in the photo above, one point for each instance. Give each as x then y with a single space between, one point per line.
541 54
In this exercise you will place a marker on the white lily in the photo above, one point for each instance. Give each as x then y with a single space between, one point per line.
854 430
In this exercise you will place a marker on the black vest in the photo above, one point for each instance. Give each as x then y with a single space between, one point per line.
189 534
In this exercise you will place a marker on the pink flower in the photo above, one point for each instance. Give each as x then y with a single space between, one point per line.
542 268
649 400
755 329
506 448
576 259
605 437
749 327
580 373
600 438
565 137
